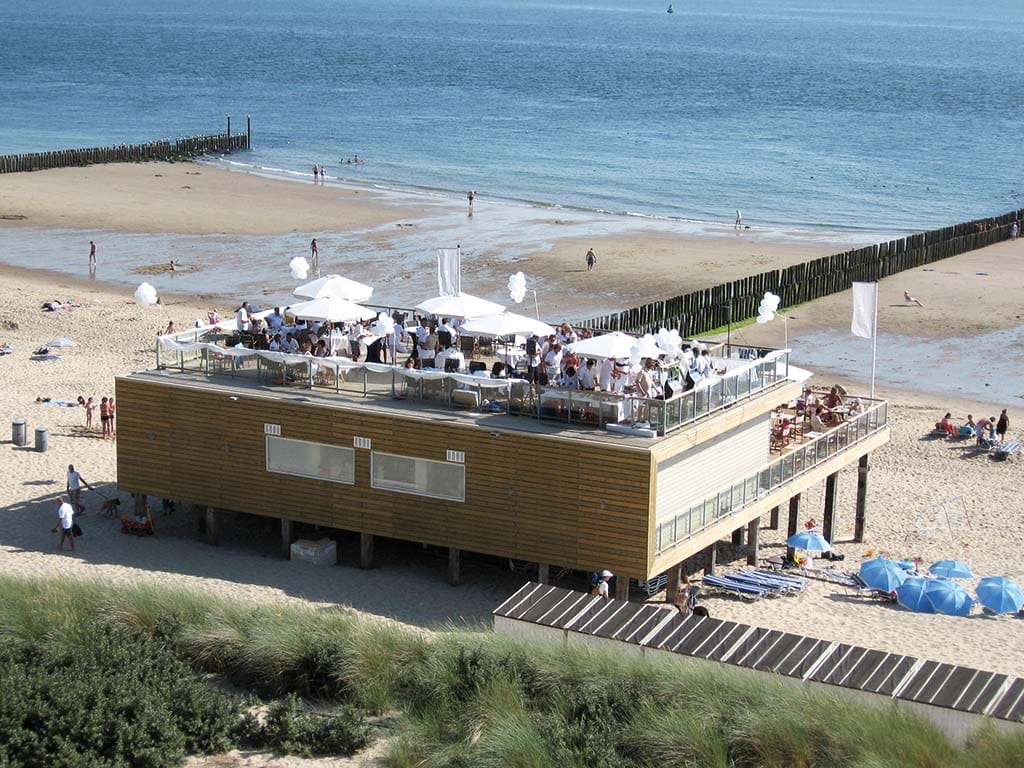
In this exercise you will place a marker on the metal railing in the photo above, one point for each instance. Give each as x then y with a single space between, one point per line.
682 526
575 407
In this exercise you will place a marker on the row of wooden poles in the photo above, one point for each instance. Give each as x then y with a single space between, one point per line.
190 146
701 311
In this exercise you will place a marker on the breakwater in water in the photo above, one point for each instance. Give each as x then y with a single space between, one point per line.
701 311
163 149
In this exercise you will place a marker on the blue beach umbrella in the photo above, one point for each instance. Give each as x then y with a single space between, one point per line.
948 597
951 569
999 594
882 574
810 541
912 594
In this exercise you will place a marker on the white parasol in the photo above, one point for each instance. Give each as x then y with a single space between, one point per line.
331 310
615 345
334 287
61 343
505 324
459 305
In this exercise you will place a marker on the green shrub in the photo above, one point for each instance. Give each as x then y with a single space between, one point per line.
110 697
289 728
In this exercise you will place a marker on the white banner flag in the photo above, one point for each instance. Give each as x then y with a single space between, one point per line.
447 271
864 299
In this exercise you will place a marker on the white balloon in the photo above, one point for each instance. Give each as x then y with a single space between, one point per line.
384 325
145 295
299 268
517 287
765 317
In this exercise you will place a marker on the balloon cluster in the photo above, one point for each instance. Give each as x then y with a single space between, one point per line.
384 325
517 287
768 307
299 268
669 342
145 295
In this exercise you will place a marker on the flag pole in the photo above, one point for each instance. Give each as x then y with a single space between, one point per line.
874 342
458 256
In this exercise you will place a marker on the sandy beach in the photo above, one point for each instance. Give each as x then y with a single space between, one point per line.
979 497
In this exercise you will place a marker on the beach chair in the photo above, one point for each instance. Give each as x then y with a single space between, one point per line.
742 590
1006 450
653 586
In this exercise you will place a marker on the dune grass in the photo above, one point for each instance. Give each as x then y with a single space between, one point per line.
472 698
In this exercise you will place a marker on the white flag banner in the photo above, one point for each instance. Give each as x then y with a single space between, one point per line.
447 271
864 297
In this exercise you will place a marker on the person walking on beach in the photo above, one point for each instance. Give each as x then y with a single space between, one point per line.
1002 425
66 523
601 588
74 489
314 255
1015 231
591 260
472 198
739 220
316 173
92 254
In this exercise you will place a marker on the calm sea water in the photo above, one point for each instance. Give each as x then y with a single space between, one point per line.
861 114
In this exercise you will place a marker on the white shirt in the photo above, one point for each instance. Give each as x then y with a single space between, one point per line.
604 374
74 481
66 513
275 321
242 319
552 361
449 354
274 346
588 377
291 346
602 588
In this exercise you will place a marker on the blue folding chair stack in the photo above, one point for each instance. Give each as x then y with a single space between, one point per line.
786 585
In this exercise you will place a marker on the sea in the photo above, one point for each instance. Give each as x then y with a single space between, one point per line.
846 115
848 121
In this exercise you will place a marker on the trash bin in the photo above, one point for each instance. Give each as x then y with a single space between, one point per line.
42 439
18 432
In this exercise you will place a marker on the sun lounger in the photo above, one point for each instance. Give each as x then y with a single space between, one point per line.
1006 450
792 584
731 586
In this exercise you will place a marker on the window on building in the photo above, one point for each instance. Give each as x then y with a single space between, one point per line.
306 459
422 477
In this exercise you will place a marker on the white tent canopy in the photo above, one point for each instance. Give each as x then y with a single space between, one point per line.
331 310
615 344
459 305
334 287
505 324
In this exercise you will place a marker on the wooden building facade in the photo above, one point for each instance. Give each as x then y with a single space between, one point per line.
503 485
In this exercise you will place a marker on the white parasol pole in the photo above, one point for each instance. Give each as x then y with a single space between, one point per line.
458 271
874 342
536 306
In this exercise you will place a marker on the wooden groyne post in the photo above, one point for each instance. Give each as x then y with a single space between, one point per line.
700 311
163 149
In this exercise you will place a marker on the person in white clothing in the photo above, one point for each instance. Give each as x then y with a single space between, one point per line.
74 488
604 374
65 523
243 320
588 375
451 353
290 345
739 220
275 343
553 362
602 589
275 320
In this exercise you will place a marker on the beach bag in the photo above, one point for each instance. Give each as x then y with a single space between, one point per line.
76 531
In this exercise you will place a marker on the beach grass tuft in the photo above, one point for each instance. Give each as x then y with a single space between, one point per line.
472 698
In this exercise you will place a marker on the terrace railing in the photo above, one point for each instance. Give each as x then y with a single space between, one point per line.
685 525
749 376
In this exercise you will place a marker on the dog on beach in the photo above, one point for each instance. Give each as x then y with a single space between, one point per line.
110 507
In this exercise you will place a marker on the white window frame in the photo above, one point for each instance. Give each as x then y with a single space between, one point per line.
311 476
413 490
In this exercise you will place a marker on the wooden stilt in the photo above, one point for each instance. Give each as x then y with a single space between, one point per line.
773 519
862 499
753 543
794 514
737 537
287 537
454 575
828 516
674 579
366 551
710 557
621 588
542 573
211 526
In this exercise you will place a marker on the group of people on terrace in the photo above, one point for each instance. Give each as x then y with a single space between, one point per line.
814 414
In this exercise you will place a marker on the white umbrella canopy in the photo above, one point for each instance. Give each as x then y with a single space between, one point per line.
613 344
459 305
331 310
505 324
334 287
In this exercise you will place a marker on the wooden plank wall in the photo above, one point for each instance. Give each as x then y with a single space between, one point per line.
700 311
191 146
575 503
